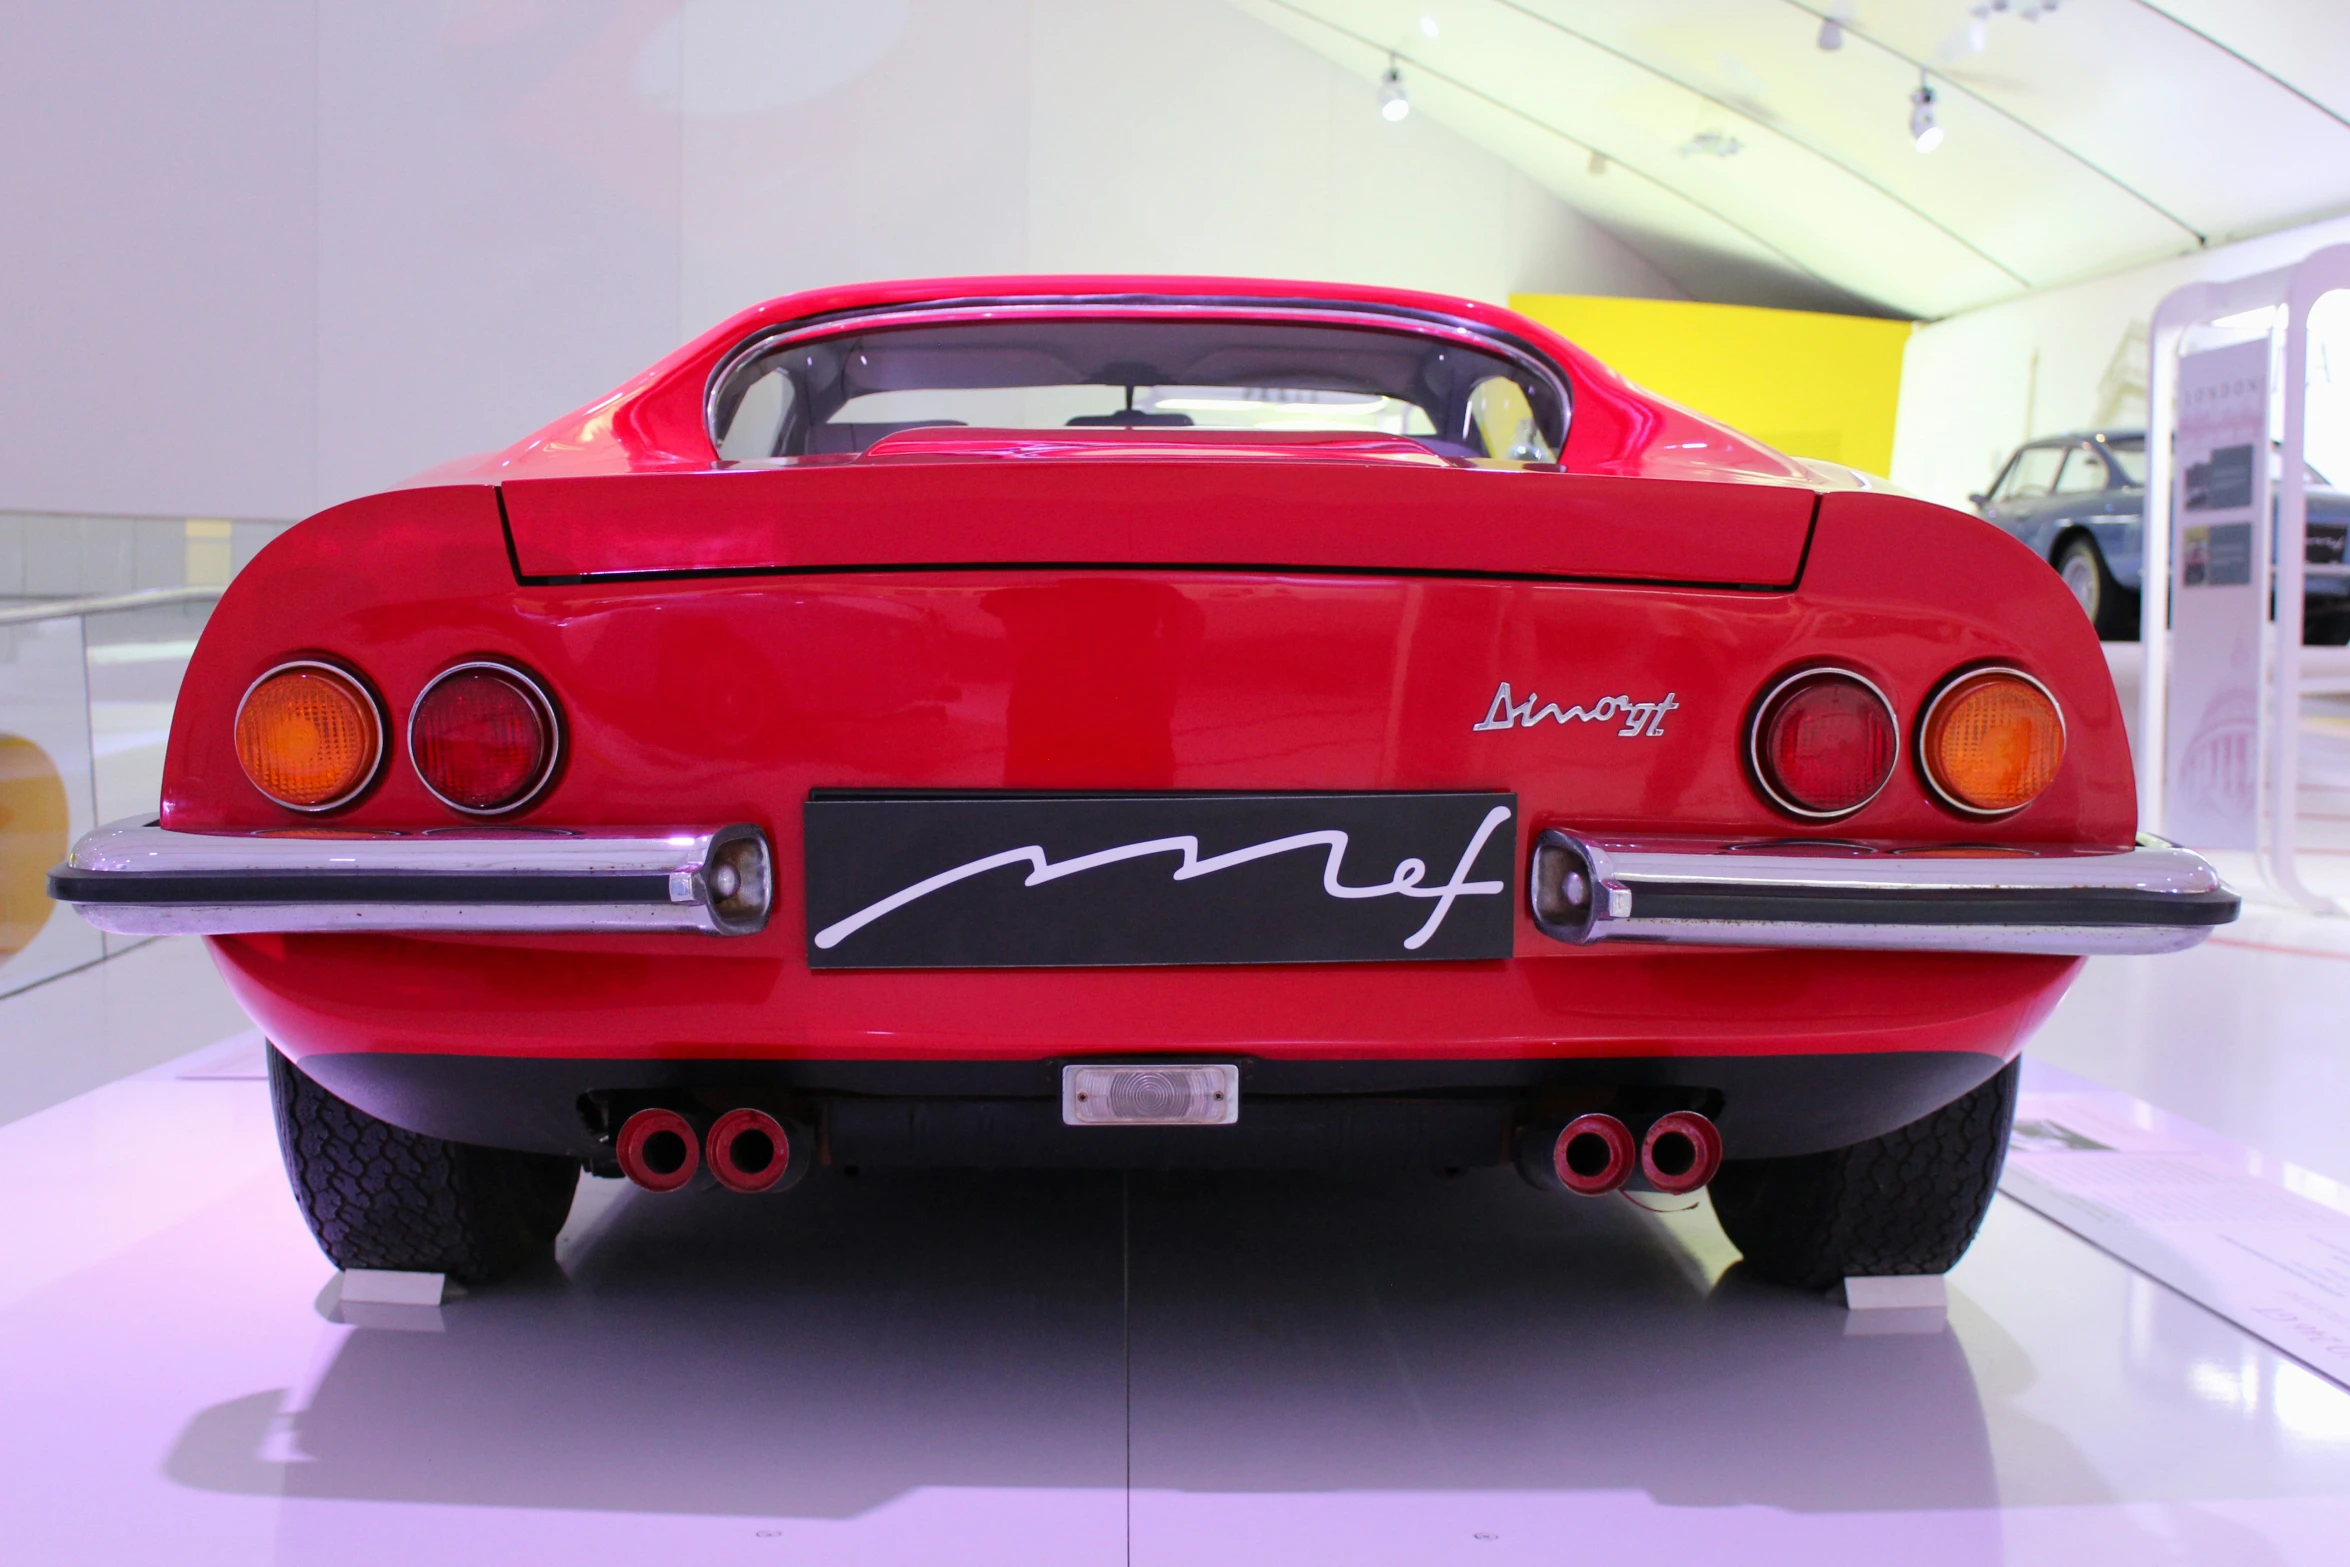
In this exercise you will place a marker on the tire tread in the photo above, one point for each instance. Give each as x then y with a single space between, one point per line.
1908 1202
377 1196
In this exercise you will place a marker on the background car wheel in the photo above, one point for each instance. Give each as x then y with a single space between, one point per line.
1907 1202
2111 609
379 1197
2330 629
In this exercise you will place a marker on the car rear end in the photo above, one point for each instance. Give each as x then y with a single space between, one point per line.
1129 794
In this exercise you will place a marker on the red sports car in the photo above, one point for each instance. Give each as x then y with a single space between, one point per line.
1145 722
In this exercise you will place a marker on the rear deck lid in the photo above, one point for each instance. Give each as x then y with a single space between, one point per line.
1380 507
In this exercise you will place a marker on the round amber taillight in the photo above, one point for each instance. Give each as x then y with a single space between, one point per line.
1992 742
1823 743
309 736
482 737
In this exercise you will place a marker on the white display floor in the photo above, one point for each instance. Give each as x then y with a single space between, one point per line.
1097 1369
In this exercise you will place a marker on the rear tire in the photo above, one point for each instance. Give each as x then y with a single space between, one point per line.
2110 608
2331 629
1907 1202
379 1197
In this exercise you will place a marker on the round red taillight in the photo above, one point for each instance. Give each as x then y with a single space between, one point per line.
1824 742
483 738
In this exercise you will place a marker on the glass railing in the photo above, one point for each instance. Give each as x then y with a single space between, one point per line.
98 616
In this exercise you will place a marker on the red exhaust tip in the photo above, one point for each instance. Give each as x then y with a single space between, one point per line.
749 1150
1593 1155
658 1150
1681 1152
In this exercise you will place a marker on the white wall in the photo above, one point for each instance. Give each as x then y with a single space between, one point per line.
1192 137
273 253
157 278
497 227
895 145
1976 385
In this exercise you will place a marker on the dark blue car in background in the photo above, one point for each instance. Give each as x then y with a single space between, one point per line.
2079 502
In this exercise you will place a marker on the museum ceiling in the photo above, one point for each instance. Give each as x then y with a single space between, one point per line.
1770 150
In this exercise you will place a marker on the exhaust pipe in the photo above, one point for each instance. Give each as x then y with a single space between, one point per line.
658 1150
1680 1153
1590 1156
750 1150
1593 1155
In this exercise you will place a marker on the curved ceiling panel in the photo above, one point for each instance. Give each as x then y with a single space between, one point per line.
1751 164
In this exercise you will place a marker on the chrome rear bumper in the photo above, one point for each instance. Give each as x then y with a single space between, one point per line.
2153 898
141 879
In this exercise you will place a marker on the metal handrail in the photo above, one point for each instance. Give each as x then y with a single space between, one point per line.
66 609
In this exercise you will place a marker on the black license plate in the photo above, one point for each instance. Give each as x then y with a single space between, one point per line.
1100 880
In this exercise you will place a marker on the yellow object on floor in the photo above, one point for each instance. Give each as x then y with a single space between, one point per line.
32 839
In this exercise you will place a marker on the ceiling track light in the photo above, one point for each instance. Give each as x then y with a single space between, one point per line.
1832 24
2029 10
1922 128
1714 144
1394 102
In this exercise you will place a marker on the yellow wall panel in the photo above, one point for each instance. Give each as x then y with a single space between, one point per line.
1811 385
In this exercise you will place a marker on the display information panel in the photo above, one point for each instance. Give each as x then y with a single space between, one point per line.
2265 1245
2219 597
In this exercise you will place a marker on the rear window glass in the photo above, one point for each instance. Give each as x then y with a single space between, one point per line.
2084 471
2129 457
835 395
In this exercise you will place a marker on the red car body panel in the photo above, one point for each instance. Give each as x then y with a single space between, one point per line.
1171 509
1004 613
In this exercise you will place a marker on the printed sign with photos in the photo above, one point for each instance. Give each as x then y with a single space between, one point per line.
2219 597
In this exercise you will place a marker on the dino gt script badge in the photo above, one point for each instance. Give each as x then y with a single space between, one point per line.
1635 718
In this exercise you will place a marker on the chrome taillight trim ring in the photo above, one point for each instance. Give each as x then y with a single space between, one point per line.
1955 681
1761 775
548 716
375 710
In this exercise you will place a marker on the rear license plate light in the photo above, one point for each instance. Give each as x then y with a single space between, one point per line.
1150 1095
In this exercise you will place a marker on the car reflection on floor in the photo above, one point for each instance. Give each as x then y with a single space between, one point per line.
818 1355
1033 1369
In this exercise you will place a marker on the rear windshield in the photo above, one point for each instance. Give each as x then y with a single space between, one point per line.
835 395
2129 456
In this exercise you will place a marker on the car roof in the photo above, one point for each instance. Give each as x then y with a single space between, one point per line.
657 419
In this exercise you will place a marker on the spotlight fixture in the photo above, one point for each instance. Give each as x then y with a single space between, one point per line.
1832 24
1714 144
1429 29
2029 10
1922 128
1394 102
